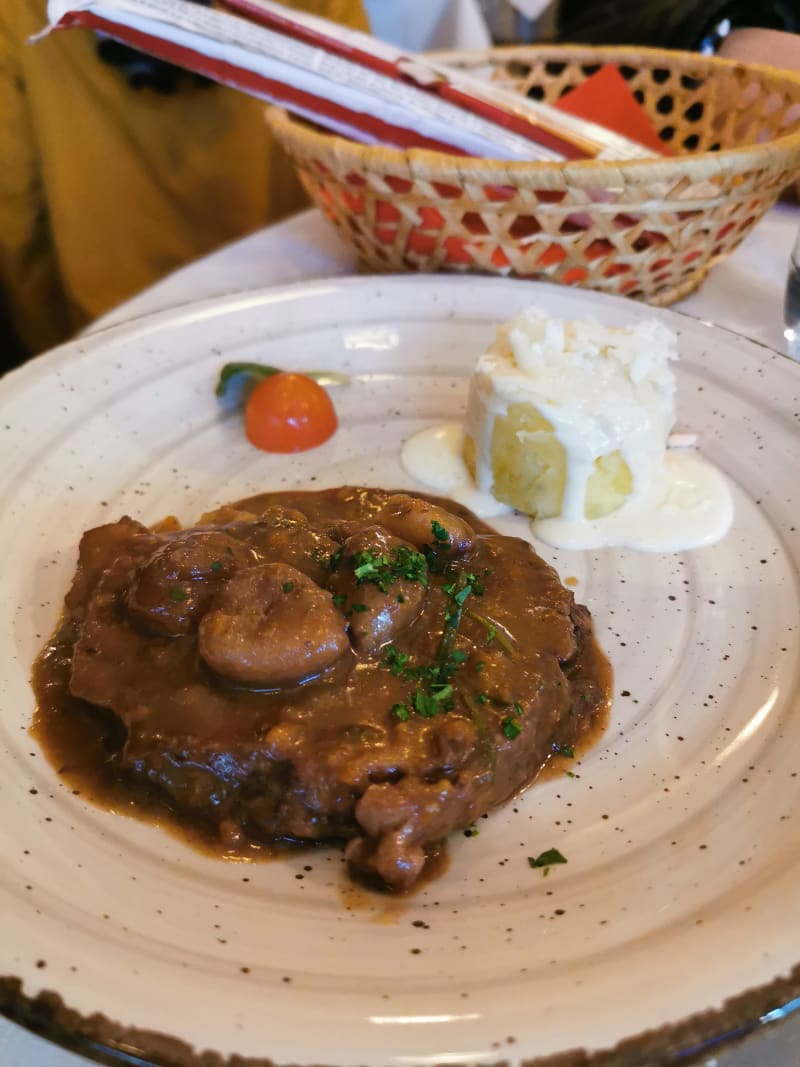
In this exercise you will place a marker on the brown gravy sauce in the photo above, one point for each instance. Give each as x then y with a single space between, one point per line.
82 742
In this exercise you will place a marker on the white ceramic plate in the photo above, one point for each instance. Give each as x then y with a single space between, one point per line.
680 827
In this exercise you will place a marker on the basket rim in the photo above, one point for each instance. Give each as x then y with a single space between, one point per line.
783 151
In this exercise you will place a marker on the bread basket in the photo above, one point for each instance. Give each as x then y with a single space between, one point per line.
649 229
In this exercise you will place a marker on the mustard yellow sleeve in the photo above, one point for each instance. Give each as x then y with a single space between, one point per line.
104 190
347 12
29 276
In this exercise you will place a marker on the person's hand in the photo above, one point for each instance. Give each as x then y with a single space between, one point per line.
772 47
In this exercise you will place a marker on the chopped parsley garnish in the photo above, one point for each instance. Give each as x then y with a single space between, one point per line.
547 859
436 565
400 598
178 595
431 698
440 534
216 566
434 691
383 568
479 666
395 660
401 712
424 704
339 599
511 728
458 591
360 607
288 587
564 750
335 559
494 632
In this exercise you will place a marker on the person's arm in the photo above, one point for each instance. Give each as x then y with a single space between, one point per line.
772 47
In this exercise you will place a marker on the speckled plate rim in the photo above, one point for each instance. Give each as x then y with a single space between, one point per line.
690 1040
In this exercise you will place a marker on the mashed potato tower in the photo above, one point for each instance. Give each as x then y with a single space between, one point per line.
570 419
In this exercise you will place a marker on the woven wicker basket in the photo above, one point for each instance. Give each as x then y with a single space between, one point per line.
649 229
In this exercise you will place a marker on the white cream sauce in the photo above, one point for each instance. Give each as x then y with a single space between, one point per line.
433 456
689 506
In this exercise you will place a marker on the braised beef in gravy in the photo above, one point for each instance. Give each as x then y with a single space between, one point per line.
348 665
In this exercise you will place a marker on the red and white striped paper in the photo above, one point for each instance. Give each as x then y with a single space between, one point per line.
345 81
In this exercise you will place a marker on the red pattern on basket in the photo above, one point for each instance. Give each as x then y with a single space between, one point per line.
653 240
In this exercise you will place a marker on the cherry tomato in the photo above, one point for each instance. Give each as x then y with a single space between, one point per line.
289 413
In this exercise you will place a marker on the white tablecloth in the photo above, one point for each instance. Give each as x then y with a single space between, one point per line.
745 294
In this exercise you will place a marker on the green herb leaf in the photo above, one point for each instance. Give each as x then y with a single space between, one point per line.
436 565
547 859
424 704
401 712
511 728
178 595
565 750
382 569
434 693
395 660
504 639
360 607
339 600
216 566
440 534
256 372
288 587
335 559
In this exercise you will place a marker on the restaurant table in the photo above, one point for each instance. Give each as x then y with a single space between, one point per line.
744 293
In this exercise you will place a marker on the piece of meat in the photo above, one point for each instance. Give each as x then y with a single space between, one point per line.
386 746
99 548
174 587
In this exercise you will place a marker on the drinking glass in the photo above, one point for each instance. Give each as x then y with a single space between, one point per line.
791 304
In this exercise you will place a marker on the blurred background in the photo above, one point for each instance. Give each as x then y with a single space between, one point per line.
695 25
